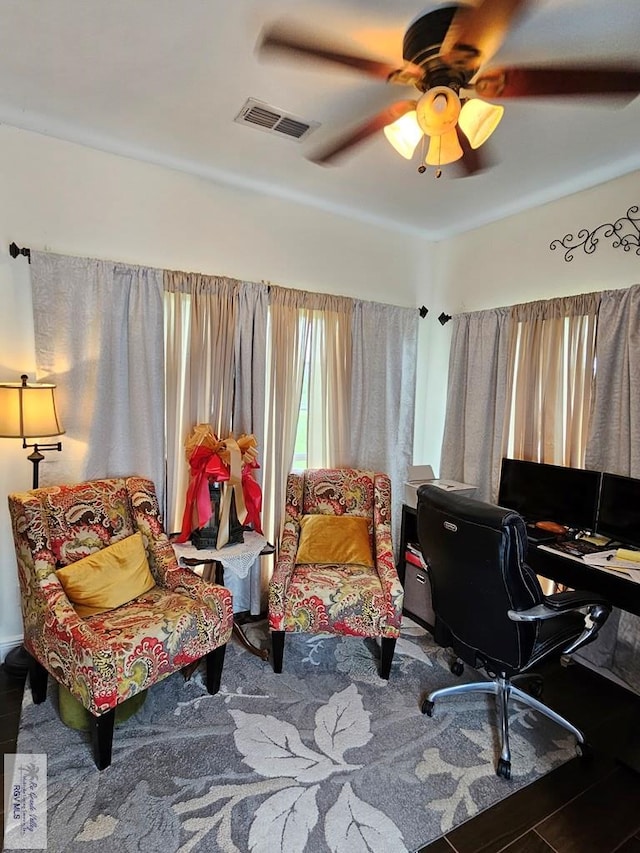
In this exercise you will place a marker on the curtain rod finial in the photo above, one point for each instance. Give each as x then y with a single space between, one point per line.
423 311
444 318
15 250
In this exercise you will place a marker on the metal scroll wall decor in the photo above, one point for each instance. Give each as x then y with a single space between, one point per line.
624 231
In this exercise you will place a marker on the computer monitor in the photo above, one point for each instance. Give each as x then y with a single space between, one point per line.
619 509
543 492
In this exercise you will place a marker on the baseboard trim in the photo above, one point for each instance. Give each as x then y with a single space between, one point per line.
7 644
605 673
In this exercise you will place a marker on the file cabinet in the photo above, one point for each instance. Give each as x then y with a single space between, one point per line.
413 573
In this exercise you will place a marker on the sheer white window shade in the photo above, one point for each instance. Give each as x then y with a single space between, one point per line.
329 389
200 322
215 331
300 450
551 364
308 387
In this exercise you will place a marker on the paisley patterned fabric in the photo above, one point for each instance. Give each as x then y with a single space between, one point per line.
111 656
334 598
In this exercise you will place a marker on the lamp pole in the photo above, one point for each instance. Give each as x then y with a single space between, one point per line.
27 410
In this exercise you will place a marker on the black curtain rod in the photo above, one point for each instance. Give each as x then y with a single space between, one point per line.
443 318
15 250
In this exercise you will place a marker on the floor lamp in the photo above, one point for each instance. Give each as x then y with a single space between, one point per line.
28 410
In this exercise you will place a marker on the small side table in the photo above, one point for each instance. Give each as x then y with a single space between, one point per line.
236 558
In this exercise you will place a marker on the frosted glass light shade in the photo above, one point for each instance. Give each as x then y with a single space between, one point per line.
404 134
443 149
478 119
437 111
28 410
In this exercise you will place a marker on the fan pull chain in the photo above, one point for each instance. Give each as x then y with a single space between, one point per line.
439 170
422 168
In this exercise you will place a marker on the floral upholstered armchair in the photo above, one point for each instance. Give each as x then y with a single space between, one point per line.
335 571
106 609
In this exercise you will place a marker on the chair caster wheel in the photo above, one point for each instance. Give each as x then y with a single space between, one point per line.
536 686
584 751
427 707
504 768
457 668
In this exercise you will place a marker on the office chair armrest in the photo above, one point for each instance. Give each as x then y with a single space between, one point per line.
598 610
559 603
574 600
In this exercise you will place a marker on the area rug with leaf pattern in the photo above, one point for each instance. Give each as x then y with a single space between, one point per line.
323 757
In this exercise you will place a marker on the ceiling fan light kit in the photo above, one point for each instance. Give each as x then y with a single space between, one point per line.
404 134
436 115
445 52
478 120
443 149
438 111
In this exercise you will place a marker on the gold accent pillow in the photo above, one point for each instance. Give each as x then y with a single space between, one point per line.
334 539
107 578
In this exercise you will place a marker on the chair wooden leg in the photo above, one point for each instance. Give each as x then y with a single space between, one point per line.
388 645
215 661
38 677
102 737
277 649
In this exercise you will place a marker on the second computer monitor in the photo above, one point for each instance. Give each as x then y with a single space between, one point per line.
543 492
619 511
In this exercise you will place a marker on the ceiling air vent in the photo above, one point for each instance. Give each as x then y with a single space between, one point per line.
265 117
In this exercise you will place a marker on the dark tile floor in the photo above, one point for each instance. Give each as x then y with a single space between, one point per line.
584 806
581 807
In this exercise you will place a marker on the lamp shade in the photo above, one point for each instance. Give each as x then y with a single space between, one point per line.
404 134
28 410
478 119
443 149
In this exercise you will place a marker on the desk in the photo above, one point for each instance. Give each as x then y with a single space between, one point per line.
621 591
618 589
236 558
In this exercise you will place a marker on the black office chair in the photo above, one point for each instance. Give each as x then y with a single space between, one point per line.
489 606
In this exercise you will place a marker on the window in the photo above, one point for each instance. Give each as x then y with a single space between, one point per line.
551 383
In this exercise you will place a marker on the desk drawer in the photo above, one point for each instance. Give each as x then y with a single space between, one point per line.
417 593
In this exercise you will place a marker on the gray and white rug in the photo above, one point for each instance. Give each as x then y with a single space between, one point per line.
324 757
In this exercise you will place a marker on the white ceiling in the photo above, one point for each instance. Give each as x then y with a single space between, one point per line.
163 80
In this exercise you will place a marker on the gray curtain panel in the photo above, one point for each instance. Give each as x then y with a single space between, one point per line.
385 342
99 336
472 446
614 445
614 430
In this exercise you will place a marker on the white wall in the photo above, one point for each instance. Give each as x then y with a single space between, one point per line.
509 262
64 198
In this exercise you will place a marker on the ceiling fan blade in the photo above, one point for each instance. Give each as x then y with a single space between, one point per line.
363 131
476 33
472 160
283 40
559 80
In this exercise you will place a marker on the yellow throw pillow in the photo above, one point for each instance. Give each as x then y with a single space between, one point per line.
334 539
107 578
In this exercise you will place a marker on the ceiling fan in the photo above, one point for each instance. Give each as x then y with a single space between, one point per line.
444 53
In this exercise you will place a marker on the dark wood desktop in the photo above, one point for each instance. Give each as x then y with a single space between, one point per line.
620 590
